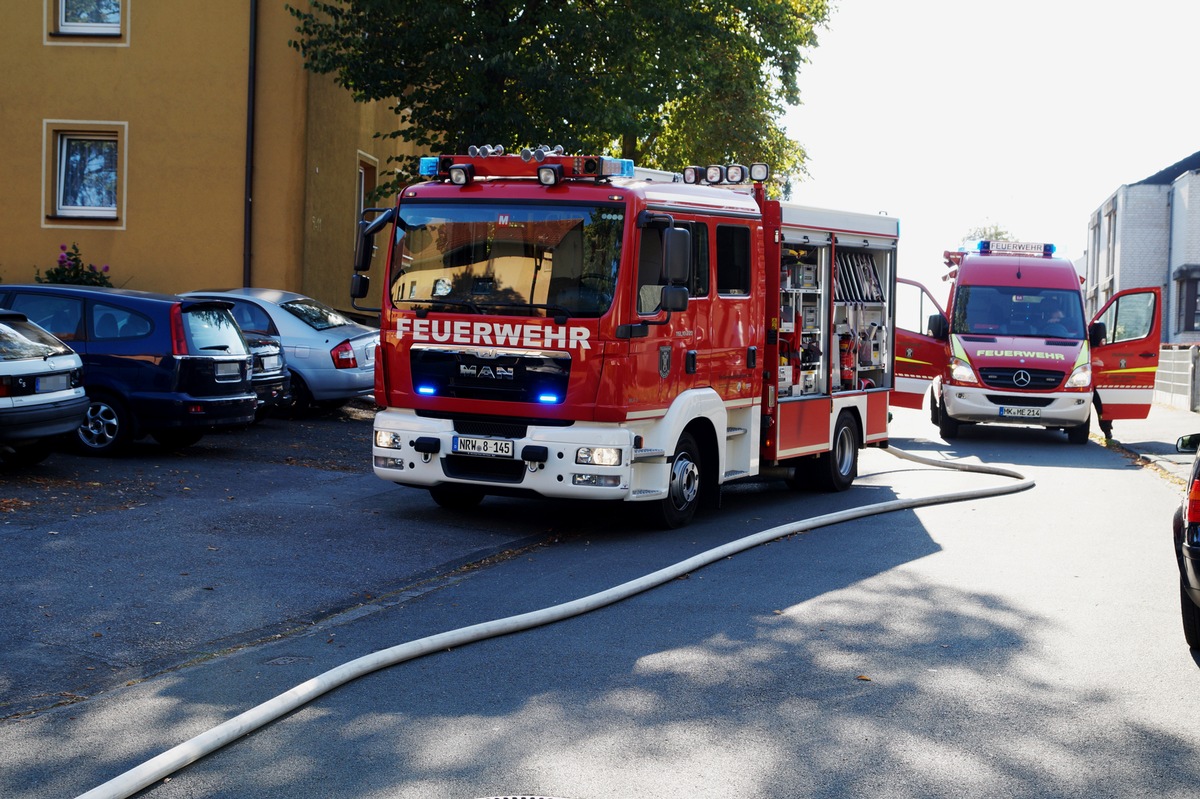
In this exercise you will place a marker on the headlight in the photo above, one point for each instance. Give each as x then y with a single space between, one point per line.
1081 377
387 439
598 456
961 371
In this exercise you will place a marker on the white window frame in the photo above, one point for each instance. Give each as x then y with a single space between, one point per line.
89 28
85 211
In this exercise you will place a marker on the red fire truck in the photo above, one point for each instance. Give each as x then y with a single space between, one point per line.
1013 347
570 326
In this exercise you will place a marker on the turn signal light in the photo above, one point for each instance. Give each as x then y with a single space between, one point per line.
1193 505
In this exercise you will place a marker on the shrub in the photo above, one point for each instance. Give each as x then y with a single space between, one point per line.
71 269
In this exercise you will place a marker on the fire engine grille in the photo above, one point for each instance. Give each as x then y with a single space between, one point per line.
531 377
1012 400
499 470
1038 379
489 428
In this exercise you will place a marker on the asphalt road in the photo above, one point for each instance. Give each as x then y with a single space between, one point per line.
1025 645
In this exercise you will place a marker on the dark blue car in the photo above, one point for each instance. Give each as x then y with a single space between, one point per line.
153 364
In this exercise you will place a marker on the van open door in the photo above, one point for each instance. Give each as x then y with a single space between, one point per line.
921 336
1125 338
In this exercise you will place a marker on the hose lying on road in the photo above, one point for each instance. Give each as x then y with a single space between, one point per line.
172 760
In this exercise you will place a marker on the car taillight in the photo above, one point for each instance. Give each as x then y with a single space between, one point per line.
1193 503
178 336
343 356
5 386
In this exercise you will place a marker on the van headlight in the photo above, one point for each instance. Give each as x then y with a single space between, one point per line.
961 371
1081 377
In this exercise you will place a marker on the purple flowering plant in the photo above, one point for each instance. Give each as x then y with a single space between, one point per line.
71 269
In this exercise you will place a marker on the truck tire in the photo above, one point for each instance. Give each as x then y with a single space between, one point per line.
947 427
1079 433
683 492
836 469
933 406
1191 617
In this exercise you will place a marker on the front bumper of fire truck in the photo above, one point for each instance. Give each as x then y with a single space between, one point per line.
591 461
1048 409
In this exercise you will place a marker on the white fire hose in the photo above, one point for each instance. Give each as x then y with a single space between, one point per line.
189 751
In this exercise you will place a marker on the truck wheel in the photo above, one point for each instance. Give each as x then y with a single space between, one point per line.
837 468
933 406
1191 617
683 492
455 496
107 427
1079 433
947 427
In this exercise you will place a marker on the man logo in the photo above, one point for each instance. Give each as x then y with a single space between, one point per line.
486 372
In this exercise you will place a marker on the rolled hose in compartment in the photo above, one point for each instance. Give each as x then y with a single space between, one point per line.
170 761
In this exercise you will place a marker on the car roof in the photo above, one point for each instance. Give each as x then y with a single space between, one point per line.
277 296
93 291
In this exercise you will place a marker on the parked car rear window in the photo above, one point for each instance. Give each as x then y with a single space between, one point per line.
22 340
213 330
316 315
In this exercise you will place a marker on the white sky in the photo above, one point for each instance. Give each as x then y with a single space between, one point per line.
1027 114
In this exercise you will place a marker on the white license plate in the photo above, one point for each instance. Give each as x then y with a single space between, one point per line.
1022 413
229 369
270 363
50 383
492 447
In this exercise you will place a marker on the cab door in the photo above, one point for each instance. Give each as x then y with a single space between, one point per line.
920 356
1125 352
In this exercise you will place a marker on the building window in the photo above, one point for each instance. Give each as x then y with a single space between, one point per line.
1187 307
85 171
87 175
89 17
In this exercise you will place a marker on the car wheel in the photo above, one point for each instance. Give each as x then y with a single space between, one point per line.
27 454
933 406
455 496
1079 433
947 427
837 468
177 439
301 397
1191 617
107 427
683 491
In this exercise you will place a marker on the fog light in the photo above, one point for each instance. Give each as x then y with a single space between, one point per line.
384 462
598 456
387 439
596 480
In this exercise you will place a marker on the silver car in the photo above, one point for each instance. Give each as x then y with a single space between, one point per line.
331 358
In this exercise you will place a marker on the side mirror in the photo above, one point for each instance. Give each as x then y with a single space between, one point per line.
364 245
1097 333
677 255
674 298
360 286
1188 444
939 327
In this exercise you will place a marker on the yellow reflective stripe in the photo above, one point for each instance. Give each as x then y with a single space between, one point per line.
956 349
1130 371
1085 356
913 360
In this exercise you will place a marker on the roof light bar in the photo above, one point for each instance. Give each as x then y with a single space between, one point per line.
1013 247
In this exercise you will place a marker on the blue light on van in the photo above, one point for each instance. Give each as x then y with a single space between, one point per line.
548 399
428 166
427 391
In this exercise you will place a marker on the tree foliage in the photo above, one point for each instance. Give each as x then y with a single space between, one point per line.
990 232
666 83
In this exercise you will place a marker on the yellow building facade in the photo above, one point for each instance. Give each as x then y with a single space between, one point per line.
183 145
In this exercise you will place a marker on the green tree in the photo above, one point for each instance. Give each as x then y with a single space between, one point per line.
990 232
666 83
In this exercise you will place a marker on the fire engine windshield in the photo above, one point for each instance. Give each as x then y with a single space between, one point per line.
524 260
1009 311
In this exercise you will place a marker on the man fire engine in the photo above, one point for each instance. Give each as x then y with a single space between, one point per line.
569 326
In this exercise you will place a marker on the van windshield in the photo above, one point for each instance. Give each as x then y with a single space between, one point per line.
515 259
1009 311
